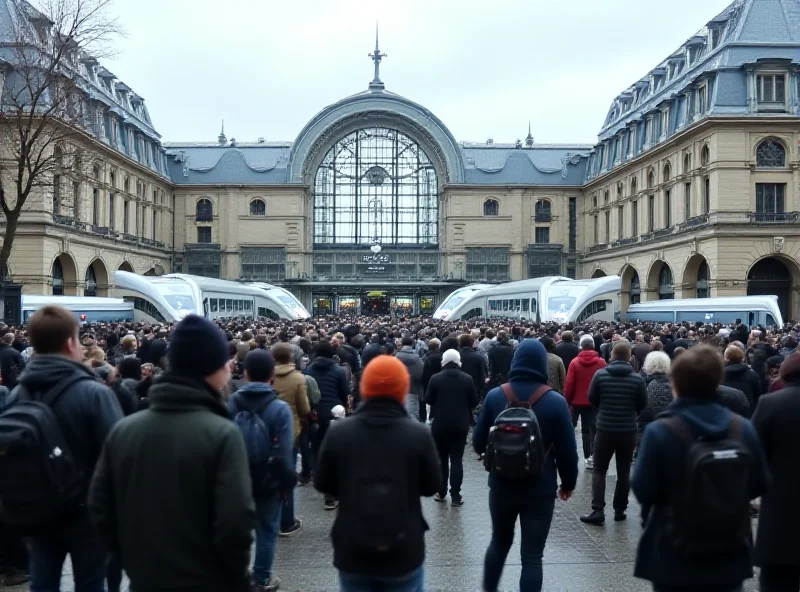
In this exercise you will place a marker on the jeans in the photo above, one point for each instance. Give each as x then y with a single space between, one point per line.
588 417
268 518
450 446
412 582
113 573
606 445
304 446
779 578
86 550
535 515
287 512
413 404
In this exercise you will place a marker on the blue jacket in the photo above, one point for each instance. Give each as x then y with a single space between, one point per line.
660 473
528 373
277 415
333 386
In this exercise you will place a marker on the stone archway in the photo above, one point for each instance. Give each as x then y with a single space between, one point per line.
598 273
96 281
774 276
64 275
660 281
696 282
631 291
126 266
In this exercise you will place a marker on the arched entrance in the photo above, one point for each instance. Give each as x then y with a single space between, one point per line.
771 277
696 278
65 276
96 280
126 266
598 273
631 292
660 281
151 271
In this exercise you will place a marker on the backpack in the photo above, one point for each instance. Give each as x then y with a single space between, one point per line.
515 449
266 468
710 515
40 481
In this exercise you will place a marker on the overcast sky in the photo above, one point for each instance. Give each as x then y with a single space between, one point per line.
485 68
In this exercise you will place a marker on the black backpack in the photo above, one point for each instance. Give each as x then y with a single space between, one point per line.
710 515
514 449
40 481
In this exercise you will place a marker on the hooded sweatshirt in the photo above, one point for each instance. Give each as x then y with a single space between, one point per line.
579 376
291 388
528 373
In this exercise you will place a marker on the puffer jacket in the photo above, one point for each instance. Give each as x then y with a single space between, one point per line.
579 376
291 388
333 386
414 365
619 394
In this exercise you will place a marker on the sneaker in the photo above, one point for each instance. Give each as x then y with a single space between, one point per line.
439 498
620 516
597 517
273 585
303 481
589 463
331 504
293 530
457 502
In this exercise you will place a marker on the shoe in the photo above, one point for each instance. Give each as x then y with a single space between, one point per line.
293 530
331 505
439 498
457 502
303 481
597 517
620 516
273 585
590 463
481 457
16 578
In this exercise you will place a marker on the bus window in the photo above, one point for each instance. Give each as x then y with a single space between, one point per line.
770 320
517 305
229 305
751 319
525 304
213 305
533 304
205 307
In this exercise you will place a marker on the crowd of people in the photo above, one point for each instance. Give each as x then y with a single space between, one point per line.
159 450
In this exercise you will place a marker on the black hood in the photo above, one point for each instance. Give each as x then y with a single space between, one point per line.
736 369
43 372
619 368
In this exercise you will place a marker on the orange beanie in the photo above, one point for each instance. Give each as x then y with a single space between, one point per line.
385 376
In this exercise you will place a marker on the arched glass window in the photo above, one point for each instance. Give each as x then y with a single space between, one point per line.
376 184
543 212
636 289
96 172
651 180
58 278
204 211
91 282
126 185
703 276
594 201
704 156
491 207
667 172
770 154
666 285
258 207
605 197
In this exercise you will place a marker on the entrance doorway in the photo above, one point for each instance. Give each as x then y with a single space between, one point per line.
375 303
770 277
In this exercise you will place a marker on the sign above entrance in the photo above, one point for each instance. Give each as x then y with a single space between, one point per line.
376 258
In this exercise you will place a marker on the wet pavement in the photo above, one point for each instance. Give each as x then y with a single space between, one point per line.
578 557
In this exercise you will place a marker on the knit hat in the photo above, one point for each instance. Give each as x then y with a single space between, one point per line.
197 348
385 376
451 355
259 365
338 412
586 340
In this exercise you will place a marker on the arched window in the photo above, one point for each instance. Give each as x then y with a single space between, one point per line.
687 164
112 179
139 189
96 172
491 207
58 156
667 172
703 276
91 282
666 285
204 211
704 156
770 154
619 190
633 186
605 198
58 278
126 185
594 201
542 211
636 289
651 180
258 207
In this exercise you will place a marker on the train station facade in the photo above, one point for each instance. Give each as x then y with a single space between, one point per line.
692 190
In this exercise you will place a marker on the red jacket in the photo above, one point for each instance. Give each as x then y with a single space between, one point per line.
579 377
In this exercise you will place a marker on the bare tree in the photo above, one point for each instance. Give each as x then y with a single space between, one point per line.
43 103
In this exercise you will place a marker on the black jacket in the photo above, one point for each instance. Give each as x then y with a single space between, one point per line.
743 378
378 437
500 357
776 419
86 411
620 395
452 397
371 350
431 365
172 492
473 364
735 400
10 365
333 386
567 351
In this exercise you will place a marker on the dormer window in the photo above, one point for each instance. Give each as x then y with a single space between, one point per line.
665 122
771 92
714 35
701 100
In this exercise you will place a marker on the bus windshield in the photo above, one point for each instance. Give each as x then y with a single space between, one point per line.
178 296
452 302
561 300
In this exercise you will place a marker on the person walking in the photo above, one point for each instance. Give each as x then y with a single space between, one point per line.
500 356
567 349
659 389
377 463
740 376
414 365
619 394
531 500
556 375
580 373
776 419
11 363
452 397
472 362
172 491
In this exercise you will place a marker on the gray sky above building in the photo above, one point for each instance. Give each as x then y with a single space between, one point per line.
485 69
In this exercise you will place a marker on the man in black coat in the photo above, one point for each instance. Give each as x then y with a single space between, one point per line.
567 350
735 400
472 362
740 376
452 397
10 362
500 357
776 419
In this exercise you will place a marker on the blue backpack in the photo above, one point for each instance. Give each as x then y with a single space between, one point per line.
266 468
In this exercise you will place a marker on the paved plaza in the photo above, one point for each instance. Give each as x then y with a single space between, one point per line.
578 557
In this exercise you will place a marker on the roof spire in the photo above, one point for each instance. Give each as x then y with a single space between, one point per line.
222 139
376 85
529 138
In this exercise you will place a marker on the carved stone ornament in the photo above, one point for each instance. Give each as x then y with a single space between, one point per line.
778 244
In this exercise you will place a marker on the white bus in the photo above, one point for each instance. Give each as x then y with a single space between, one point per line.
751 310
86 309
456 298
578 301
169 298
293 308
